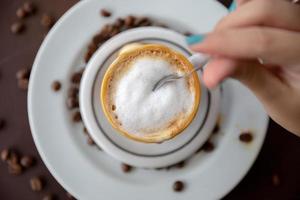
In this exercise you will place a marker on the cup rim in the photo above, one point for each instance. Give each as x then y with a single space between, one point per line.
165 135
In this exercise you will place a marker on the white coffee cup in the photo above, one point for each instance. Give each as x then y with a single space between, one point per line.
122 148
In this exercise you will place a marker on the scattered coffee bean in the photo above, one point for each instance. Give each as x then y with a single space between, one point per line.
178 186
88 56
119 23
2 123
27 161
73 92
85 131
17 27
275 180
56 85
76 116
13 158
48 197
126 168
76 77
21 13
23 84
142 21
47 21
23 73
4 155
216 129
36 184
14 168
72 103
246 137
129 21
29 7
208 146
105 13
90 140
69 196
97 39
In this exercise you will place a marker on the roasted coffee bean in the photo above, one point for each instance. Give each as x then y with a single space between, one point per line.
119 23
275 180
105 13
208 146
56 85
26 161
69 196
126 168
23 84
76 116
17 27
2 123
29 7
76 77
72 103
85 131
216 129
23 73
97 39
47 21
36 184
15 168
88 56
4 154
142 21
90 140
92 47
21 13
48 197
114 32
13 158
178 186
129 21
246 137
73 92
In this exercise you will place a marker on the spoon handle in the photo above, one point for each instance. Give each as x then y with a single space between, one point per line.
198 60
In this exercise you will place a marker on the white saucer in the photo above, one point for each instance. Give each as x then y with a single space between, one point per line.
89 174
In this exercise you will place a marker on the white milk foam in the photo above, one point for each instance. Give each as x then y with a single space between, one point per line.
139 108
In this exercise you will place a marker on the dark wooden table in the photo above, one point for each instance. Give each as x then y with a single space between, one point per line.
280 154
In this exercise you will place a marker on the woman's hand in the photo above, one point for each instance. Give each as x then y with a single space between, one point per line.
268 30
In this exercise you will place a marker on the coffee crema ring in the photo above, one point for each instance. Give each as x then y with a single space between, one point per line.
129 103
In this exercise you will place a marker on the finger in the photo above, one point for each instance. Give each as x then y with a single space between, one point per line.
217 70
276 13
253 42
241 2
271 91
252 74
268 88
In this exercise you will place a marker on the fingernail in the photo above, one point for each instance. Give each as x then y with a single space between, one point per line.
194 39
232 6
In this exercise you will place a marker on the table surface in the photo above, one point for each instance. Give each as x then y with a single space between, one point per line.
279 155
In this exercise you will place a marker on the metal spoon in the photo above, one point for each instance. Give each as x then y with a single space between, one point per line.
198 60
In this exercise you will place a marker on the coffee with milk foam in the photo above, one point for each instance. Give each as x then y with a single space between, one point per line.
137 110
